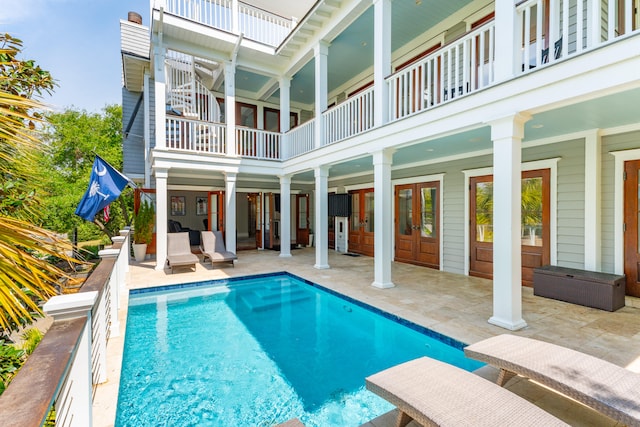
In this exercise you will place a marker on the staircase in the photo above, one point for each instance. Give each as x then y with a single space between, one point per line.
189 81
262 297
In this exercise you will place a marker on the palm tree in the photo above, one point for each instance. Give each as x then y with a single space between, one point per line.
26 276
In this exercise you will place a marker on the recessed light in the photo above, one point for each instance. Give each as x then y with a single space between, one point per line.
364 44
418 2
429 150
537 126
476 139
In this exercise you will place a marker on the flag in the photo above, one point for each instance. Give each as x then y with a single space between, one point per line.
105 185
105 213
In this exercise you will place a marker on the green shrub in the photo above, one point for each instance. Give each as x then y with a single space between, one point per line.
32 338
11 359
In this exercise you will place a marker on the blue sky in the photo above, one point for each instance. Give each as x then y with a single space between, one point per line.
78 41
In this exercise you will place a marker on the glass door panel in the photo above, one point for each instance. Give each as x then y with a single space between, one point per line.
428 225
405 212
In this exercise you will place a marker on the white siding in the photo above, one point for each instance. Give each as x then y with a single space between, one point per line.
134 39
133 143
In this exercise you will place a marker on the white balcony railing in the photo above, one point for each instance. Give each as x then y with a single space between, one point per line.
196 135
457 69
235 17
264 27
349 118
569 27
258 144
300 140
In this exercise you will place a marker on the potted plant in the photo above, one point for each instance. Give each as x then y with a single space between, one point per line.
142 230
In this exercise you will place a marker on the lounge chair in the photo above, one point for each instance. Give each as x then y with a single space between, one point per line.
212 247
435 393
179 251
607 388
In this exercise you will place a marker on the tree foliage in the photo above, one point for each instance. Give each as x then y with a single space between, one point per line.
26 277
74 138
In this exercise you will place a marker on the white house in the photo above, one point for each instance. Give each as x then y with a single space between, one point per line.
472 136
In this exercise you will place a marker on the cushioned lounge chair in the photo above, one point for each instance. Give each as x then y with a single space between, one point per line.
179 251
607 388
212 247
435 393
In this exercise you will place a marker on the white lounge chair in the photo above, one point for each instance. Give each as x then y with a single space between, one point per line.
212 247
179 251
607 388
438 394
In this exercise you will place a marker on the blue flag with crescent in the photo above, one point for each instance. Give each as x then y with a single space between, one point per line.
105 185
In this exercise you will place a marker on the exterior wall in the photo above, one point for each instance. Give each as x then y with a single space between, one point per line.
611 143
133 143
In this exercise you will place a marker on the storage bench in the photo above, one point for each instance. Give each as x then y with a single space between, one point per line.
589 288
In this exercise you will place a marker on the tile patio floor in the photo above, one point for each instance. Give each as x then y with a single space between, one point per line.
454 305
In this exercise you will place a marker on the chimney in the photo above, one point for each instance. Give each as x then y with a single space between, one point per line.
135 17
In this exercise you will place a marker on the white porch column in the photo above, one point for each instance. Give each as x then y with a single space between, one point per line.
160 97
593 23
321 217
321 52
285 216
230 107
161 218
230 213
383 219
507 134
506 34
235 17
381 60
592 179
147 130
285 110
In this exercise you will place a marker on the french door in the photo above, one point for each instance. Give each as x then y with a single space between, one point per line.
302 219
269 213
631 228
534 232
216 211
255 217
417 224
361 235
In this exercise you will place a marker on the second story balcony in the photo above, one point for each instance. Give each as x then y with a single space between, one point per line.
234 17
547 32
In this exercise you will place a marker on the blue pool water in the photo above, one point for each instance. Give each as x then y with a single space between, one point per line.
258 351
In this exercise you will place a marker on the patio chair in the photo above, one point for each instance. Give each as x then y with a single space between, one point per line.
179 251
436 393
212 247
605 387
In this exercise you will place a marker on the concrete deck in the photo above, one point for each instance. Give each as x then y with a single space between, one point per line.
454 305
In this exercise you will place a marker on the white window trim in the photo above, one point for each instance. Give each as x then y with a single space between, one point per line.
552 165
618 205
415 180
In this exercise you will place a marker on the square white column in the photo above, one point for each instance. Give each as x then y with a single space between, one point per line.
381 60
507 51
230 107
230 212
321 217
383 219
285 216
162 176
285 111
507 134
160 97
321 53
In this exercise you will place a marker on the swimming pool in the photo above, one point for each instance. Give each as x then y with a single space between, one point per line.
259 350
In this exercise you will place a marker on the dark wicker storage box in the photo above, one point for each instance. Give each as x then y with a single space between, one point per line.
589 288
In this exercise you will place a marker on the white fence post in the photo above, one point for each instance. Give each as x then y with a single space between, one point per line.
110 292
74 401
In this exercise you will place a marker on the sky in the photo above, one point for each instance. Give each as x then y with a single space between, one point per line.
78 42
